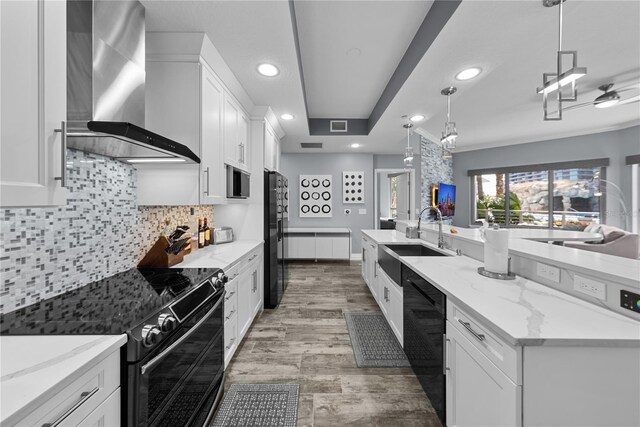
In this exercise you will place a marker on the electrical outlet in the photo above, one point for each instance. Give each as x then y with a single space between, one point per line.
362 211
548 272
347 211
590 287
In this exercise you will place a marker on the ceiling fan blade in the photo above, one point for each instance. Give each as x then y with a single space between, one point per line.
629 100
576 106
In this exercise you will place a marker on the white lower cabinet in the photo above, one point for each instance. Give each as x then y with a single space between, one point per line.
87 400
390 302
243 300
478 393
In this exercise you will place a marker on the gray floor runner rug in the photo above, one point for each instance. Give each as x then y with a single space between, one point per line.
374 343
259 405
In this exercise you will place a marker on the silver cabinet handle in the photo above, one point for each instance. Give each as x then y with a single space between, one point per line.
230 315
230 295
231 341
153 362
208 178
445 364
84 396
375 269
63 156
253 257
362 254
467 326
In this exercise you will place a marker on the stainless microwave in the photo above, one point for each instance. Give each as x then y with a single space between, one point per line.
238 183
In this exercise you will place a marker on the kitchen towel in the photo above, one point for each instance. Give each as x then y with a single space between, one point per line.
496 251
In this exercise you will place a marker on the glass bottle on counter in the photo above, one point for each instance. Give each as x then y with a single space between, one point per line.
201 239
207 233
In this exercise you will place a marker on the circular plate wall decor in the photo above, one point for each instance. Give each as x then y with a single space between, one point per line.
315 196
353 187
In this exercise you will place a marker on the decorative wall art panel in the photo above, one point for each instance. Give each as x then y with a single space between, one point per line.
315 196
353 187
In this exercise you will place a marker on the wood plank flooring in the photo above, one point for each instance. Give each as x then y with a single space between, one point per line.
305 341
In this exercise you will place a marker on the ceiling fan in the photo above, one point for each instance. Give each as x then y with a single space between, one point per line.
611 97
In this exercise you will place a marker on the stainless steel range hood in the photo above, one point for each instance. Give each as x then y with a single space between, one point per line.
106 84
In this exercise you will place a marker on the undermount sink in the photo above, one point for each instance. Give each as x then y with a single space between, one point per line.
389 261
414 250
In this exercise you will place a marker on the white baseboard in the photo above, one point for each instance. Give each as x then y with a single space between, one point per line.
356 257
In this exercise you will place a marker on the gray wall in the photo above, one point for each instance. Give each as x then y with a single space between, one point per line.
615 145
295 164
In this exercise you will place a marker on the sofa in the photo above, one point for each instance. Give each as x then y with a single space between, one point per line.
615 241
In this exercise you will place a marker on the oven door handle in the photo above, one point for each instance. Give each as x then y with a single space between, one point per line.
153 362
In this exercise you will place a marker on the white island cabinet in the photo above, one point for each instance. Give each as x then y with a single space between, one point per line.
33 48
70 380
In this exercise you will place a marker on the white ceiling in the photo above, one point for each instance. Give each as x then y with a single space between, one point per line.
513 41
350 49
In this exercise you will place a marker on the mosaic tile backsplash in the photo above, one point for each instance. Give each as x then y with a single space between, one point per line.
98 233
434 169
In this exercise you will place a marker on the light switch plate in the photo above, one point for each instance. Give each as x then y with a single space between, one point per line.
590 287
362 211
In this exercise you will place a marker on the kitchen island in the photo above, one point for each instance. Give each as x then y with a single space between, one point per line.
514 352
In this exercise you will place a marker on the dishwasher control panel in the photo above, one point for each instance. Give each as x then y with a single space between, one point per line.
630 301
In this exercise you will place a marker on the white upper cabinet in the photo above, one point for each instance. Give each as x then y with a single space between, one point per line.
184 103
272 132
236 135
33 84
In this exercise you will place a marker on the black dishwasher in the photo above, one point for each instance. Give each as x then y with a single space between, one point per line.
425 314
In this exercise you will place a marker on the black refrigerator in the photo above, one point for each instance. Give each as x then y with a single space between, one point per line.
276 216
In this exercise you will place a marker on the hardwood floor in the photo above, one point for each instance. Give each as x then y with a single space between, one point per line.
305 341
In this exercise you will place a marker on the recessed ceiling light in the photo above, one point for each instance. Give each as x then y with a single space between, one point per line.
286 116
268 70
417 118
468 74
355 145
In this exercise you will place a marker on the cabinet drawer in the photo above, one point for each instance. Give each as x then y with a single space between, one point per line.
230 338
230 299
107 414
502 354
243 263
76 401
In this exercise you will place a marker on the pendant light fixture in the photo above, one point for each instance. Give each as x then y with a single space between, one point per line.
450 134
408 152
562 82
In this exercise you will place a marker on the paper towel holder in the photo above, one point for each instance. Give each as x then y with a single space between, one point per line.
502 276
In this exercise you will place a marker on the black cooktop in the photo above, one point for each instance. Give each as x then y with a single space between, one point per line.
109 306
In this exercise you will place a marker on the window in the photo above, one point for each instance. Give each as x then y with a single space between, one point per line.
561 195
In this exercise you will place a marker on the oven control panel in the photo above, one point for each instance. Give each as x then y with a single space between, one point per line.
630 301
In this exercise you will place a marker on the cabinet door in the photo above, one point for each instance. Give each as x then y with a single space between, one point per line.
33 83
212 164
478 393
395 311
269 148
277 154
374 280
256 288
365 268
307 247
243 141
383 297
340 247
230 132
324 247
244 302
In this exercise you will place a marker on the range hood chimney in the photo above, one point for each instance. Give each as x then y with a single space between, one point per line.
106 83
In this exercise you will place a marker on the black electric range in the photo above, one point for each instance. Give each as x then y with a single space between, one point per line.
174 357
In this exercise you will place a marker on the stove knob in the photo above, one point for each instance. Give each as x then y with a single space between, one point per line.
223 277
150 335
167 322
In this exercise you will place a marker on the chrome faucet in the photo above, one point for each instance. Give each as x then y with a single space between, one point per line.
439 217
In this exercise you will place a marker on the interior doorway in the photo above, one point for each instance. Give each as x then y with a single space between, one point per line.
394 191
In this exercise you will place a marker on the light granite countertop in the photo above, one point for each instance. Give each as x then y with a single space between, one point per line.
521 311
219 256
35 368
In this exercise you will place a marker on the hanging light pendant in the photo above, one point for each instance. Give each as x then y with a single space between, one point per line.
562 82
450 134
408 152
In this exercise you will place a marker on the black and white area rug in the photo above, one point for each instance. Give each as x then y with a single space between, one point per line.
259 405
374 343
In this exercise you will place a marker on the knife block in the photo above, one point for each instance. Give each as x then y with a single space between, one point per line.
157 257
